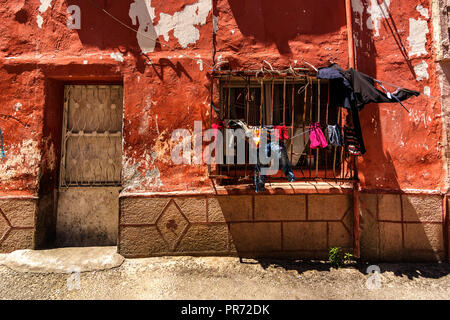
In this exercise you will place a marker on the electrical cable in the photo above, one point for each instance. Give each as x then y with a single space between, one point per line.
146 36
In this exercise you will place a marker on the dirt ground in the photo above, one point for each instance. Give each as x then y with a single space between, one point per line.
228 278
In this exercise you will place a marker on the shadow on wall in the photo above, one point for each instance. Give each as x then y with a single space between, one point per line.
164 64
51 151
287 226
101 31
370 116
281 21
397 228
394 227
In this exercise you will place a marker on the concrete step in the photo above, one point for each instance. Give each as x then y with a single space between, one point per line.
63 260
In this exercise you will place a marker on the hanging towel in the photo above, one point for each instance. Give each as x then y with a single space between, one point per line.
335 135
317 137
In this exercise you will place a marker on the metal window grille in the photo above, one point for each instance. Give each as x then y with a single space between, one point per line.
92 136
295 102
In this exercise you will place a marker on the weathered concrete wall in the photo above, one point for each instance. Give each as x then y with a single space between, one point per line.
87 217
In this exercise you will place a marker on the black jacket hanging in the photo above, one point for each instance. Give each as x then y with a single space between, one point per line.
365 91
352 89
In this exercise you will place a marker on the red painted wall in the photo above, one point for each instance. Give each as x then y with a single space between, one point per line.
165 90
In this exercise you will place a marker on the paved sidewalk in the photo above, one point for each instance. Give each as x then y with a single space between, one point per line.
210 278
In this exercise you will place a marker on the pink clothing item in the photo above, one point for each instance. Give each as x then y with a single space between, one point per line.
281 133
317 137
217 127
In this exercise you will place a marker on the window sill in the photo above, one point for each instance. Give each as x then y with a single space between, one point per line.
288 188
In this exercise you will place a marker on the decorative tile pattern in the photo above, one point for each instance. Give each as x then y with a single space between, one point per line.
22 213
172 224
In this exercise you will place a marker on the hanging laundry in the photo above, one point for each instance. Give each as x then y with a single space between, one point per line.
252 133
352 89
276 135
256 136
217 127
351 141
335 135
279 150
281 133
317 137
359 88
341 90
237 124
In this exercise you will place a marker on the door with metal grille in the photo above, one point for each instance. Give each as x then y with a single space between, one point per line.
90 171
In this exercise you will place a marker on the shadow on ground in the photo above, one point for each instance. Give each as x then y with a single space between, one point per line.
410 270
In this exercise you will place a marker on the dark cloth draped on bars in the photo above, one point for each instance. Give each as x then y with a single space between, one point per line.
352 90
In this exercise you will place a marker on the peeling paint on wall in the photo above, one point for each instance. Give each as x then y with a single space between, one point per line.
45 4
375 11
23 159
421 71
199 61
182 23
117 56
39 21
423 11
418 30
141 175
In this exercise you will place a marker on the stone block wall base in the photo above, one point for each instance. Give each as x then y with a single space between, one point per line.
17 224
394 227
402 227
277 226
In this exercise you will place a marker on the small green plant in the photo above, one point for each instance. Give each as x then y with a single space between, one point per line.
348 257
337 258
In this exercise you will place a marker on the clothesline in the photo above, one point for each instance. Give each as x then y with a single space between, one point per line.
300 134
392 94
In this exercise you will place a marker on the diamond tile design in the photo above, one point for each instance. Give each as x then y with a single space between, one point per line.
172 224
4 225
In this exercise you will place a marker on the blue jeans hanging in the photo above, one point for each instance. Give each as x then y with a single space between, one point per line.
279 149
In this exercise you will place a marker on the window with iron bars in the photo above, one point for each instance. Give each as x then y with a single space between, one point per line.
293 102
